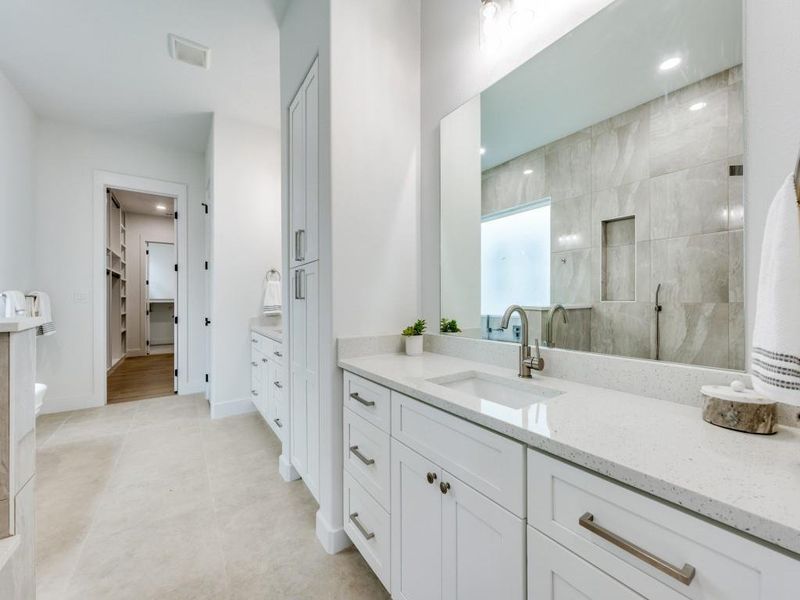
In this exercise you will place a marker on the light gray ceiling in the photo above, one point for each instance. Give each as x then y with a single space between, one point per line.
607 65
145 204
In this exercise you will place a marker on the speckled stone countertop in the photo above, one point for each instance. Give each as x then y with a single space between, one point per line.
270 327
748 482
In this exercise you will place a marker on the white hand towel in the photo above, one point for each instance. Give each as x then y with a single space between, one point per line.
272 297
42 308
775 363
15 305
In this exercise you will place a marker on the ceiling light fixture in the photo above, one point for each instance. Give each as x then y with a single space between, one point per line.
489 9
698 106
670 63
160 207
527 171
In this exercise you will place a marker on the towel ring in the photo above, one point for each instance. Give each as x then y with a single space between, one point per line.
273 273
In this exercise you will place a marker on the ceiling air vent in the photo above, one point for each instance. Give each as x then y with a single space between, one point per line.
188 51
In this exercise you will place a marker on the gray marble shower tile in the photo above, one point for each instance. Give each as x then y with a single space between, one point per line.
643 266
736 268
690 201
681 138
736 196
568 166
571 224
576 333
619 232
528 177
691 269
736 333
570 277
619 270
624 201
695 334
735 119
620 149
622 328
488 193
689 94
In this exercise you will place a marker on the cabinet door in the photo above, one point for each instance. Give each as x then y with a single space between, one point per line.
555 573
416 526
257 381
304 171
304 373
483 546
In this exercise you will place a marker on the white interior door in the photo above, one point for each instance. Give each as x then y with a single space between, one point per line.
161 322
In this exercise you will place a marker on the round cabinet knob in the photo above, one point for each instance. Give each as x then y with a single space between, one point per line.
444 487
431 477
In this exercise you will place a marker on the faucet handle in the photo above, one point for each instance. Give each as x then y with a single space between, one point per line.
535 362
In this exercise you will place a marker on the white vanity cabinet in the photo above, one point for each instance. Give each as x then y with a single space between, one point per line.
267 381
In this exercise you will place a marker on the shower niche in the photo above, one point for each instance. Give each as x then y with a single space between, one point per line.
619 260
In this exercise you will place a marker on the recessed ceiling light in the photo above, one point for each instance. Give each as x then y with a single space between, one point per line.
670 63
188 51
160 207
483 151
527 171
698 106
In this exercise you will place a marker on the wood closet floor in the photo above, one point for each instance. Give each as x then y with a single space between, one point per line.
141 377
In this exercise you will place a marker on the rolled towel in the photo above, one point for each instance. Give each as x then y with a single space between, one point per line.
42 308
775 363
14 305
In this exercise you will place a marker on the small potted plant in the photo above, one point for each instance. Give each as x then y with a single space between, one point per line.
413 334
449 326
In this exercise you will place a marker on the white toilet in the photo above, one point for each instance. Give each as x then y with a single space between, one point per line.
40 390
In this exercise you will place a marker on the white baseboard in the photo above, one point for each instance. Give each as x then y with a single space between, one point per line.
230 408
57 405
332 540
286 469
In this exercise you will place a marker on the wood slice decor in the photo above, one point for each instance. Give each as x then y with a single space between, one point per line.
739 410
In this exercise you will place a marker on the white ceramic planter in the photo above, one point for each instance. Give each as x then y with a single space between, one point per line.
413 345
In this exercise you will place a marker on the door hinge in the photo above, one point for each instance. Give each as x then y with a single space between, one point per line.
208 321
176 320
205 207
176 268
176 215
147 313
206 377
206 265
147 282
176 372
147 342
147 252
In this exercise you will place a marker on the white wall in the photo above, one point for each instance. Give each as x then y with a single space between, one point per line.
17 133
67 157
139 230
247 242
461 233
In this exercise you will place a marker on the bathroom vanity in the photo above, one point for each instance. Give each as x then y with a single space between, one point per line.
268 375
463 481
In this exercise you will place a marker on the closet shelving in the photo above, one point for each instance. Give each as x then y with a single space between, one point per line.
116 282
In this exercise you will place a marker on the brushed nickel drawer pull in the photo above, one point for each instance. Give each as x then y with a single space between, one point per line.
684 575
277 422
367 534
358 398
278 354
255 393
254 363
263 360
431 477
361 457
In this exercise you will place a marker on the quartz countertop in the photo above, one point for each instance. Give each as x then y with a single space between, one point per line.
270 327
16 324
748 482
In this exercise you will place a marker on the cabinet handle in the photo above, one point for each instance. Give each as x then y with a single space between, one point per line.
301 237
367 534
278 354
358 398
684 575
444 487
254 363
278 384
263 360
277 422
361 457
297 245
301 284
255 393
431 477
254 340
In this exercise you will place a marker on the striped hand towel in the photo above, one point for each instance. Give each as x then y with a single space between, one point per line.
775 363
42 308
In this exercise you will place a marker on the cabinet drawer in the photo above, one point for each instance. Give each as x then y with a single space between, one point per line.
366 456
277 353
555 573
490 463
367 525
368 400
261 343
569 505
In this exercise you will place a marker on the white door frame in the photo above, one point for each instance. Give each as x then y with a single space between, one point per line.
178 191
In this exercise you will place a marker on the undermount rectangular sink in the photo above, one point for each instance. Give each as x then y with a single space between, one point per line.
513 393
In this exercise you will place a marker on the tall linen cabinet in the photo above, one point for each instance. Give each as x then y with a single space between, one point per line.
304 296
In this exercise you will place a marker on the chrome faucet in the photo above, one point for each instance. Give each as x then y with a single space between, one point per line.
526 362
548 336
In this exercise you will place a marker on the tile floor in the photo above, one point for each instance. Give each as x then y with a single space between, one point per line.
153 500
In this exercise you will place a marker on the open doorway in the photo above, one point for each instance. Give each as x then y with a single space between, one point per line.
142 290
